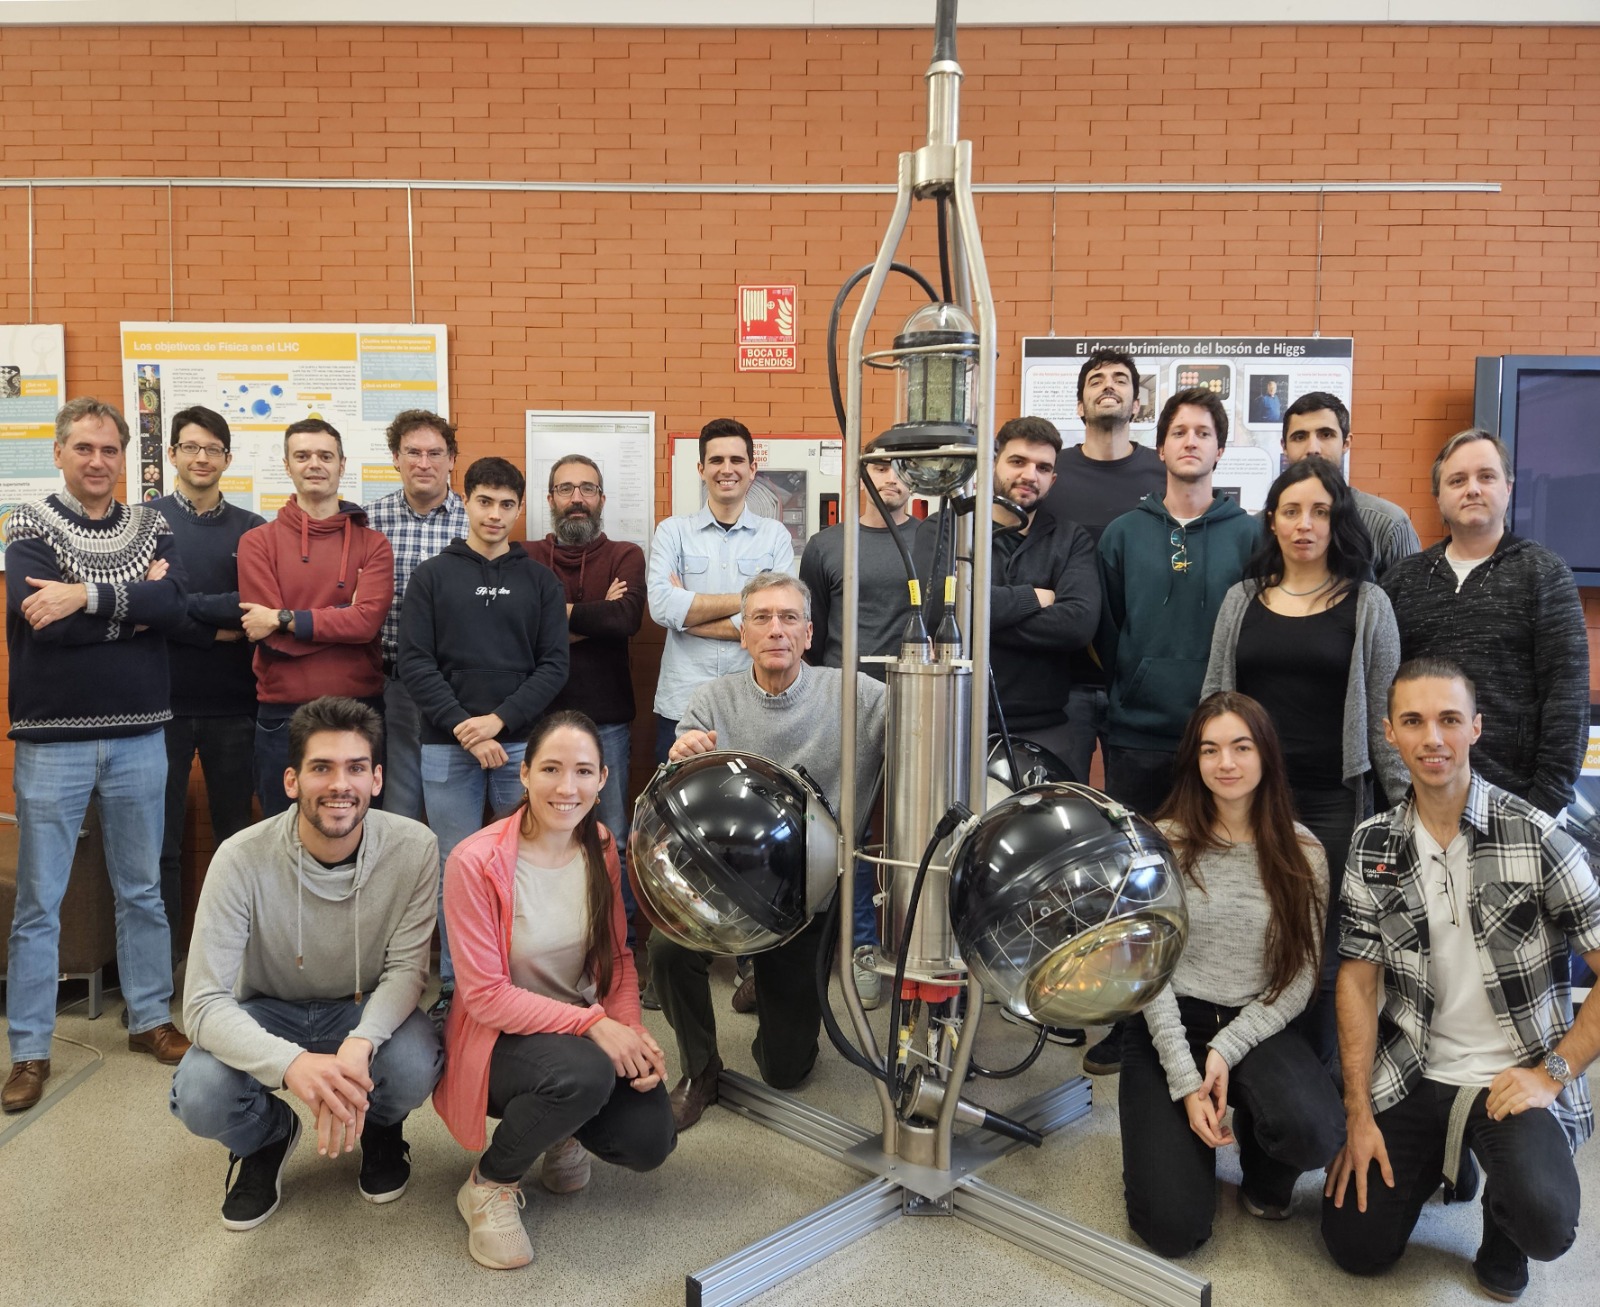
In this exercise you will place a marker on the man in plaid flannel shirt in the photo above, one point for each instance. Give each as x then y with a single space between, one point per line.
1459 910
419 520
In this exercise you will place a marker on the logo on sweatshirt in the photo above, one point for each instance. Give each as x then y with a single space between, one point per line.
491 590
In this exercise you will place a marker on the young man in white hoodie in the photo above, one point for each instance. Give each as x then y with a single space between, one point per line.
309 954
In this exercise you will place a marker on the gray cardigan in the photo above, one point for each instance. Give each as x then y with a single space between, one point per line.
1373 663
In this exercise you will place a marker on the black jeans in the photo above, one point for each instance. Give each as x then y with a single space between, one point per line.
226 746
1530 1188
1331 815
1139 778
1286 1117
546 1088
788 1016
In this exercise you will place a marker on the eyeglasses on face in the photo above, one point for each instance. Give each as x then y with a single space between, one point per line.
1179 540
191 450
588 489
424 455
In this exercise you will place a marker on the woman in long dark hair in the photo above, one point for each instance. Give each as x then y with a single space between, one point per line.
1310 637
1219 1033
544 1032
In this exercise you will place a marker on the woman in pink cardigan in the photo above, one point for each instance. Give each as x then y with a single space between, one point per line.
544 1032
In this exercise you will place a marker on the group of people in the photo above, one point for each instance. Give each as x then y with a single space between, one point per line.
1356 748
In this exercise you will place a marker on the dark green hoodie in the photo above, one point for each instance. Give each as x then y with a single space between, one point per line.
1155 629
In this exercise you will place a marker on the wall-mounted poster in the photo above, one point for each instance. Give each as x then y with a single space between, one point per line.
33 386
623 444
1256 377
261 377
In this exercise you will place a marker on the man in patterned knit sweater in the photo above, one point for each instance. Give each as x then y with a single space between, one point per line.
93 586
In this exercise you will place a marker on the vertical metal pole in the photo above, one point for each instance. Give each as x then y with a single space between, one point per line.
30 254
172 271
850 516
1316 298
411 255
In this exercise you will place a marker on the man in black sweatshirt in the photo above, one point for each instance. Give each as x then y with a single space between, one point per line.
1044 601
483 651
213 683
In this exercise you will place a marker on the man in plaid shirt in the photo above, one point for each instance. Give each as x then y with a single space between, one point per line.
419 519
1459 909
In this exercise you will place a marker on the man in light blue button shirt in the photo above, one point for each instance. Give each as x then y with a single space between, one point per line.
698 564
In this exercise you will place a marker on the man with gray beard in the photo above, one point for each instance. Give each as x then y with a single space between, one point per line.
605 586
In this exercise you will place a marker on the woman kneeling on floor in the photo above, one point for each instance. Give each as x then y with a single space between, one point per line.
544 1032
1258 893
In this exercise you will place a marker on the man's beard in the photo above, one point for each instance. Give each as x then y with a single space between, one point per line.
576 530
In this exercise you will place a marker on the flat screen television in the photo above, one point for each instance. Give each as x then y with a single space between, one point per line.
1547 410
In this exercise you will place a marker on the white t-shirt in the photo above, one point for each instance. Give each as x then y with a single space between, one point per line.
549 935
1465 1043
1462 567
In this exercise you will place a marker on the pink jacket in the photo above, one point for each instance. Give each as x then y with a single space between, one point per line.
478 882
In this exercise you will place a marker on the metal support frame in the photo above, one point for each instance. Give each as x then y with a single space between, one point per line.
898 1189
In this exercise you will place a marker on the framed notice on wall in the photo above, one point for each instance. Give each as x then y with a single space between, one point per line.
623 444
261 377
33 387
1256 378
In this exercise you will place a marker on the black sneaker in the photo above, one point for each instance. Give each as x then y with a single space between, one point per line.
1105 1058
441 1007
1066 1036
647 997
1501 1267
255 1195
385 1162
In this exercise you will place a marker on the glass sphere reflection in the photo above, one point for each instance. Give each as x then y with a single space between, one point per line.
731 853
1067 906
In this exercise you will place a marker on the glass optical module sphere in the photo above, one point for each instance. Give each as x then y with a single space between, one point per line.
731 853
1068 906
935 360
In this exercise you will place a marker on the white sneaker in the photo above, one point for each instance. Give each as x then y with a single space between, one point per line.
869 985
493 1213
565 1168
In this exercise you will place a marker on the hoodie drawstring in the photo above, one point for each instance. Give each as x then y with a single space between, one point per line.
344 552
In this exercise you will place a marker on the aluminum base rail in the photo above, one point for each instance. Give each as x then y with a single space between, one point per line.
899 1189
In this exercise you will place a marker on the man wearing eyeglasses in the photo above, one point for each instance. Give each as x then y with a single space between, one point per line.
213 685
419 520
1456 1029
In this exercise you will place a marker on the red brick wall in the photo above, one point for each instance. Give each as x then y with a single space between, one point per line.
617 301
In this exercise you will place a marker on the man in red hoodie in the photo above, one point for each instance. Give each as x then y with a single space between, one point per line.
315 584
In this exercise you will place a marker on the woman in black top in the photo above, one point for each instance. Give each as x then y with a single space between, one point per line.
1312 638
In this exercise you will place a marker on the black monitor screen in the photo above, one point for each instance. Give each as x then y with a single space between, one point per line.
1557 493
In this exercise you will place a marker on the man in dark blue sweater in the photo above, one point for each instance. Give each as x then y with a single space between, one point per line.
213 684
92 588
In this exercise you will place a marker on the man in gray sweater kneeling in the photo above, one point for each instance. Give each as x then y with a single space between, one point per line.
788 711
309 954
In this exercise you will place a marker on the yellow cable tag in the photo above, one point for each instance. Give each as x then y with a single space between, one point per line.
916 592
950 589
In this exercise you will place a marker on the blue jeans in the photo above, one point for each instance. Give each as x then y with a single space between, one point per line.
455 788
402 741
226 747
217 1101
616 748
54 782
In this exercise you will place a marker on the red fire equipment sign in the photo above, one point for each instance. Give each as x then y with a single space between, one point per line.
766 329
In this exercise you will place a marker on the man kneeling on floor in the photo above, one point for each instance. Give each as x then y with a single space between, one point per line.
784 709
309 954
1459 906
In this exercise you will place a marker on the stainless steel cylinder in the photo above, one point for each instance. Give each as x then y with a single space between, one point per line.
926 738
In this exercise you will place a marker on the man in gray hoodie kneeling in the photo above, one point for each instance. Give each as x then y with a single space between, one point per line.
309 954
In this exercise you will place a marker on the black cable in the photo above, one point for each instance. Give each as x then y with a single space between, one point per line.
1010 1072
941 208
944 30
1005 734
888 520
825 956
833 327
958 813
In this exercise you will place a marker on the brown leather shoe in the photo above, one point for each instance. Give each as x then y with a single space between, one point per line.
164 1043
693 1094
744 996
25 1085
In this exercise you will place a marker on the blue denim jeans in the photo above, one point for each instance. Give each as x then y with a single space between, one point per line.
402 748
616 814
217 1101
455 789
54 783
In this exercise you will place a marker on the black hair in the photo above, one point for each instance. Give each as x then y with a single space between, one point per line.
1194 397
1314 401
1099 359
333 712
1349 545
201 416
313 426
1035 431
1432 669
722 429
496 473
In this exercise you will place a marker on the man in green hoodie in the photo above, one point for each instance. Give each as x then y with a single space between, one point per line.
1164 568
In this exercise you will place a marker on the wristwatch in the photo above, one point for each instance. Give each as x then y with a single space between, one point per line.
285 618
1555 1066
